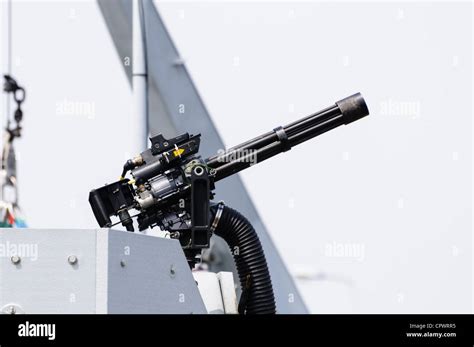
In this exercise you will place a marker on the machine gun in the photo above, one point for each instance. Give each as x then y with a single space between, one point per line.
172 188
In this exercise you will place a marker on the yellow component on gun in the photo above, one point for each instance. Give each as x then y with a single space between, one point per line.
177 152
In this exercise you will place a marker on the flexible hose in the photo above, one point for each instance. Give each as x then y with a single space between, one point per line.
245 246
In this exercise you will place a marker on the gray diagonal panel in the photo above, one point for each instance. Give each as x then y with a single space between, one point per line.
171 89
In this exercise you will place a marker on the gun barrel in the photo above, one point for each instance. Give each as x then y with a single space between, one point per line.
284 138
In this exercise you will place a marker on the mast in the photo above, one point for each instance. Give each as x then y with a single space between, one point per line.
139 131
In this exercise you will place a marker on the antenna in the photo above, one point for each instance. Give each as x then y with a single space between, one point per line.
139 129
